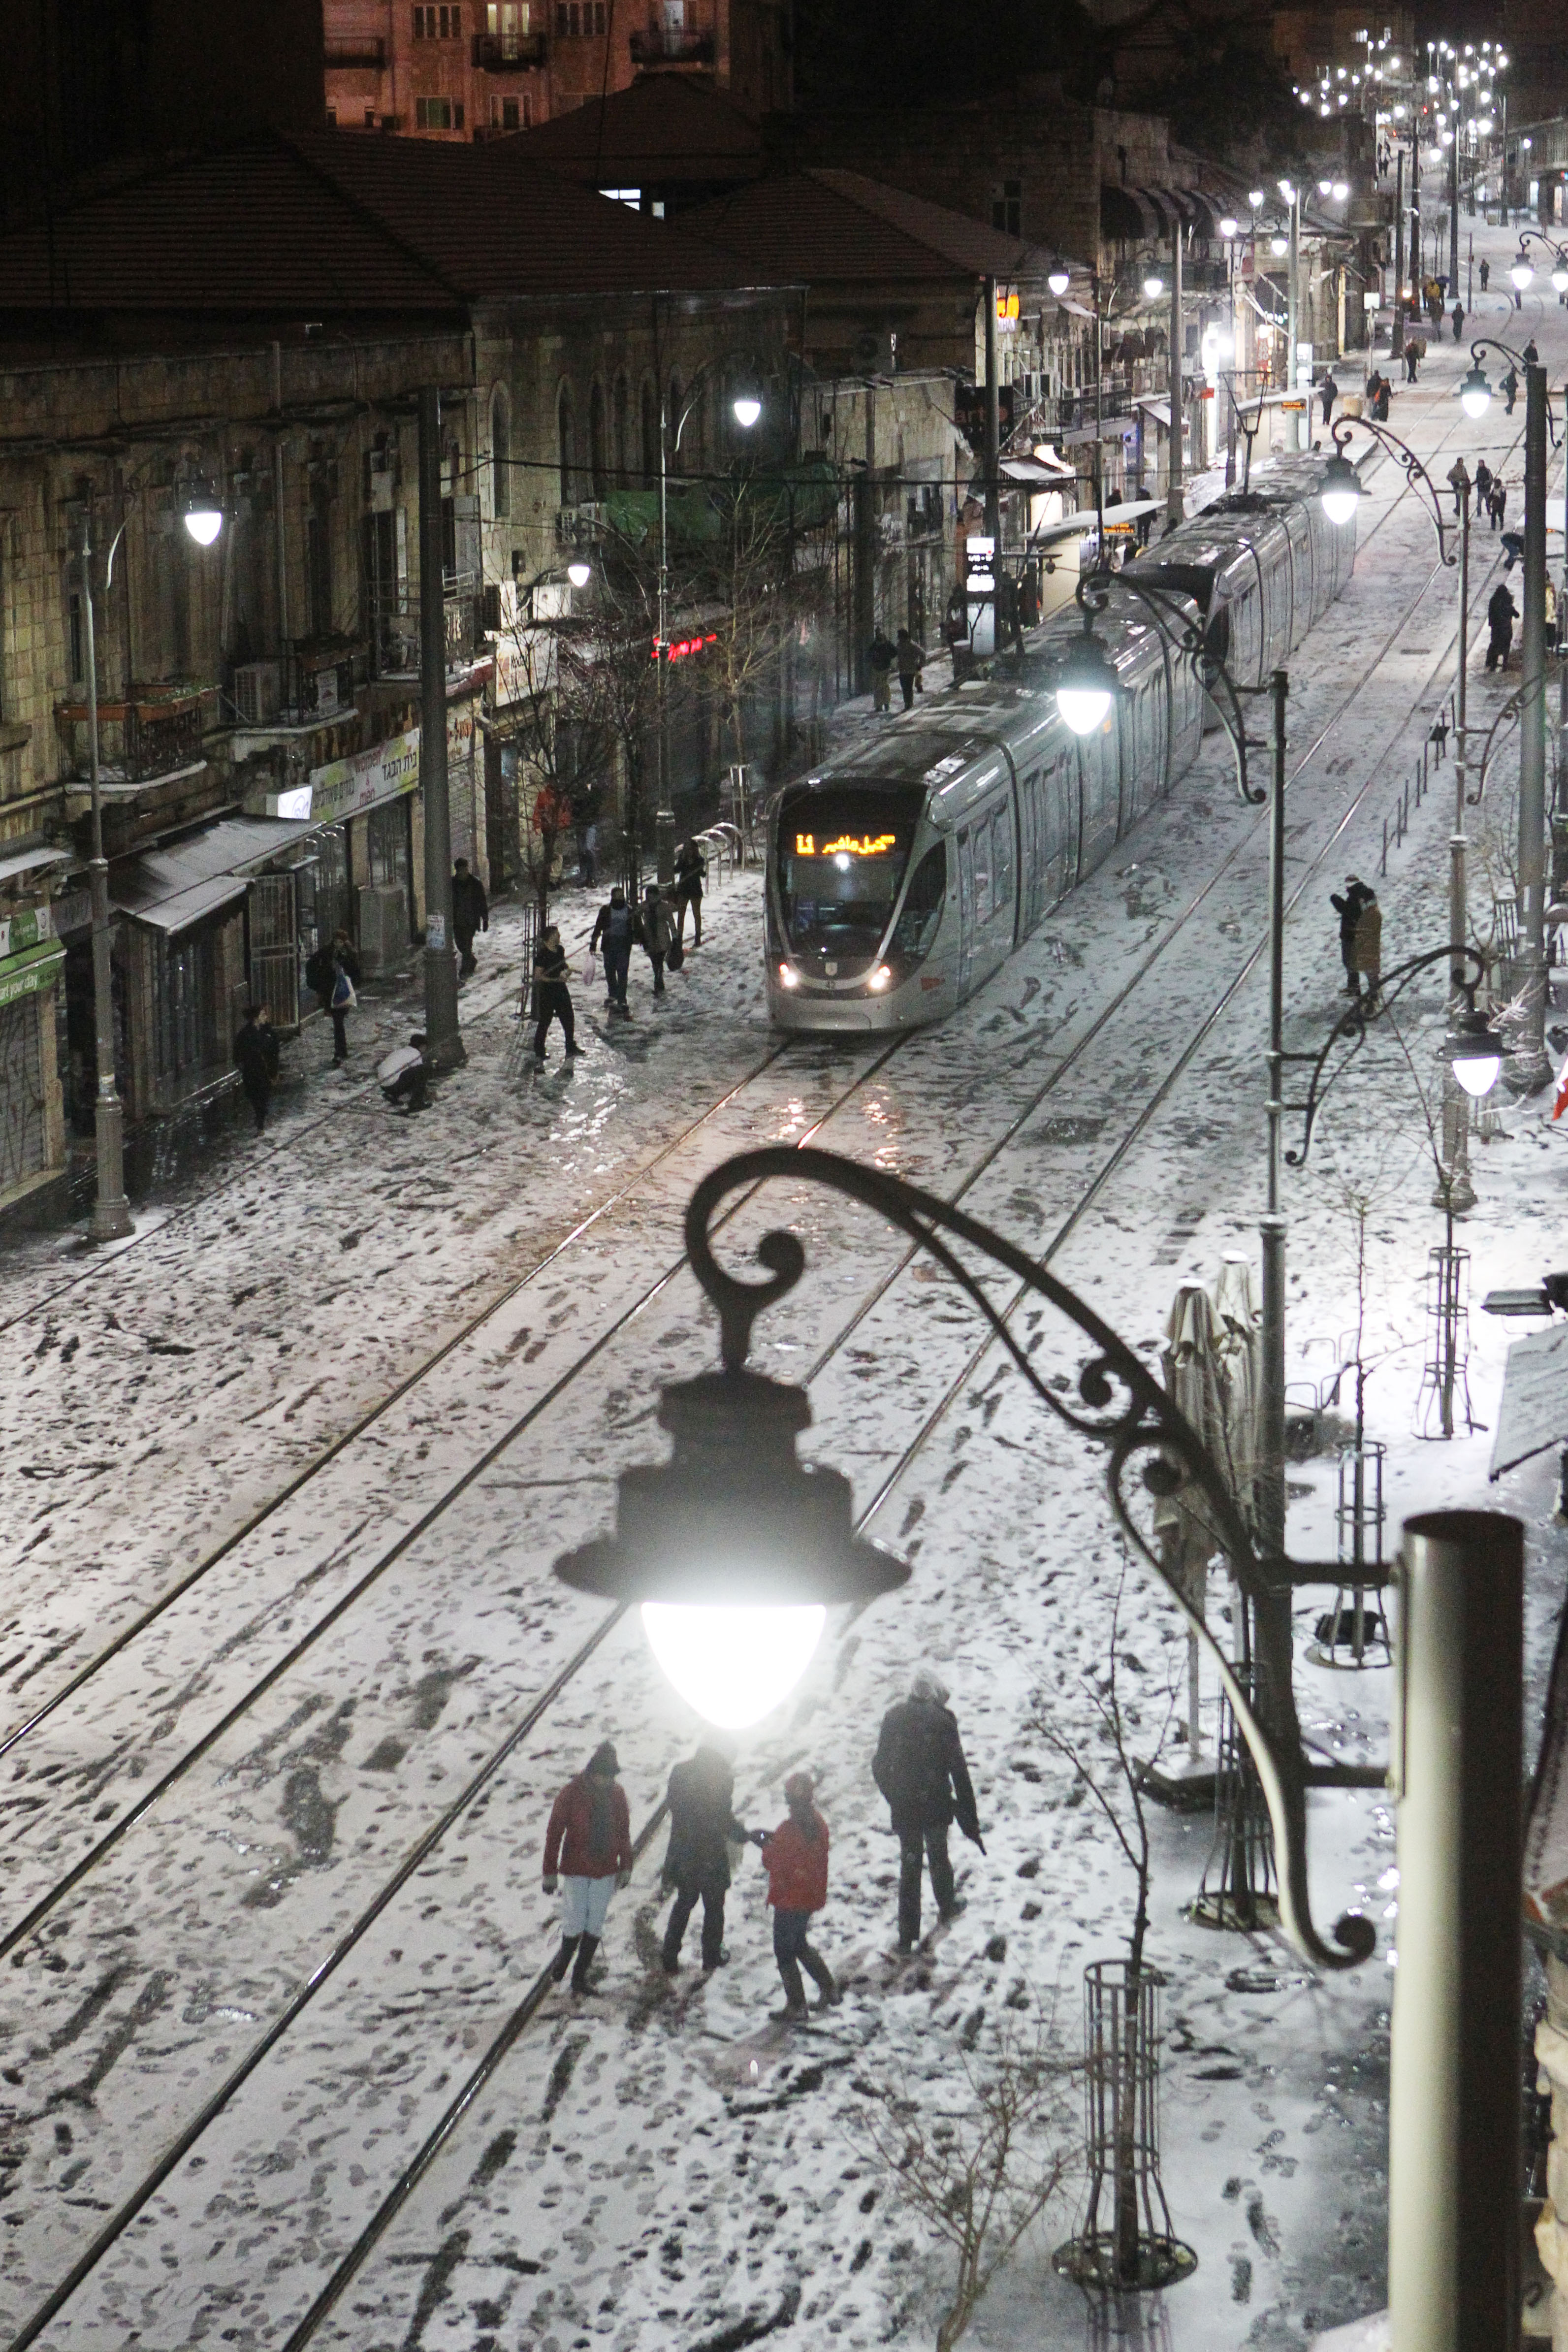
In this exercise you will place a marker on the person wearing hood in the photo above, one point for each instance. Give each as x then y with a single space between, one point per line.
588 1851
795 1856
696 1867
919 1767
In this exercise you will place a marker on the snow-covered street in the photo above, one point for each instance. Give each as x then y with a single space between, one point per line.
290 1687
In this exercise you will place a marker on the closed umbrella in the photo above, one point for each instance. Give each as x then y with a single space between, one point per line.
1186 1541
1236 1373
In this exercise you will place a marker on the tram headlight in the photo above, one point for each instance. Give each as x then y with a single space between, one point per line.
1342 491
882 976
788 976
1085 686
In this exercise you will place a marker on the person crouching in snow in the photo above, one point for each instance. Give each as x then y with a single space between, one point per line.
589 1846
795 1856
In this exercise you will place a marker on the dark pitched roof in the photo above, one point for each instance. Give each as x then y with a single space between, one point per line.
664 127
828 226
345 223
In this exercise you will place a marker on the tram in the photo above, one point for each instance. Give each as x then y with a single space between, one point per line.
902 876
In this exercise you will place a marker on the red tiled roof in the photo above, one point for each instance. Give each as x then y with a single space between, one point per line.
828 227
664 127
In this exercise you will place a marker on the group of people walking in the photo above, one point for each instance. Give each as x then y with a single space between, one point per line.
919 1768
883 657
657 924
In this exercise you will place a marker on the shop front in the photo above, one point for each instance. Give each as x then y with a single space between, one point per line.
32 1127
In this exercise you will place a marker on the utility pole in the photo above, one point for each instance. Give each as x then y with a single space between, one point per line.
1397 336
1292 415
1454 218
443 1041
993 427
1531 1068
1174 507
1455 1193
111 1210
1271 1620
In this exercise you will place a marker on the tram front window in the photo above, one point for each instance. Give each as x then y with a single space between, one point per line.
842 857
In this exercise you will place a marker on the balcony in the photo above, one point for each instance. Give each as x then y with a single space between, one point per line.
656 48
363 50
151 734
503 53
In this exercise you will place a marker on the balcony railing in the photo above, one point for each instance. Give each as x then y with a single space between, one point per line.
508 52
356 50
396 622
661 48
138 739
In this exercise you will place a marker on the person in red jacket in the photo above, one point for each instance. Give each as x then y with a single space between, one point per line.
795 1856
588 1848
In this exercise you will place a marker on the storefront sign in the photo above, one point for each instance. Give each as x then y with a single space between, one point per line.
25 929
346 788
24 974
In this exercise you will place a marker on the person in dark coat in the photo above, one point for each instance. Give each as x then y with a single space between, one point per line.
691 873
1485 275
552 994
696 1867
880 655
919 1767
658 934
1357 895
1497 501
1502 615
614 928
1510 386
254 1061
911 660
1532 356
1483 484
332 962
1328 393
1381 399
1458 321
588 1853
795 1856
470 913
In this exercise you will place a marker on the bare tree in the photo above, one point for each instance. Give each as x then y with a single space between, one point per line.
559 727
763 597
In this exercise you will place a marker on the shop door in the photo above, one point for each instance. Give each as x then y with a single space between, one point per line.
23 1132
274 949
966 908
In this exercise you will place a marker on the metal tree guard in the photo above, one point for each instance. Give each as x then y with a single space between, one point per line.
1128 2239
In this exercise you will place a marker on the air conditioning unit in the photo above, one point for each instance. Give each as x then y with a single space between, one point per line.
501 608
256 693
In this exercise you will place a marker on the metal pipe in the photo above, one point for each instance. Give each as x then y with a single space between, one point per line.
1293 325
111 1211
1396 333
279 544
1531 1067
1454 218
1457 1194
663 816
1454 2109
993 425
1174 504
1275 1697
443 1045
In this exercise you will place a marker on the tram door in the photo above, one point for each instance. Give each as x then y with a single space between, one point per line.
966 908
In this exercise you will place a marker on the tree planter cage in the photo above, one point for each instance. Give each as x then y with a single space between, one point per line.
1128 2240
1354 1632
1238 1890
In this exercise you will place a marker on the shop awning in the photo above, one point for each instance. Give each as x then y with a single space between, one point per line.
1533 1414
31 861
1160 410
1039 473
188 907
222 853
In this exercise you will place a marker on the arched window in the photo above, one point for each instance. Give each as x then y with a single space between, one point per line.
677 438
650 435
566 431
597 457
500 454
622 449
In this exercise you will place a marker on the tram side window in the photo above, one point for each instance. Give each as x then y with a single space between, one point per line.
922 909
982 836
1002 862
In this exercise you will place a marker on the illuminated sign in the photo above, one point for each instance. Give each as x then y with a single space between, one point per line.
682 649
872 844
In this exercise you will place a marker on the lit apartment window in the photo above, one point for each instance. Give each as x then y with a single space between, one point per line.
437 24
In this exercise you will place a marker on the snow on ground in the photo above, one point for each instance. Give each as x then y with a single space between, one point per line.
657 2165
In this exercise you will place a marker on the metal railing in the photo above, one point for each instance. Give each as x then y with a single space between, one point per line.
508 52
139 739
656 48
365 49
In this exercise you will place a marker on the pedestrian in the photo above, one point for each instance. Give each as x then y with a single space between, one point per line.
404 1075
881 656
1439 735
1513 549
1348 908
1367 948
340 1003
795 1856
1458 482
1483 484
552 994
470 913
588 855
919 1767
1511 385
1532 356
1458 321
587 1847
1502 615
254 1063
614 927
1415 353
691 873
1328 393
1498 502
1380 404
696 1864
1485 275
1550 616
657 933
911 662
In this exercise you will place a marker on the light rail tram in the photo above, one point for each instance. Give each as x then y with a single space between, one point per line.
901 876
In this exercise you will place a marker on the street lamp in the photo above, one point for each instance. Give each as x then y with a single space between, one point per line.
204 515
1058 279
1086 683
1341 492
1153 285
1520 269
580 572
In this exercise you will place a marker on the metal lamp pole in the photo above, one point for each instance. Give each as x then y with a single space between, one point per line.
1292 414
1174 504
444 1047
1532 1068
1458 1193
111 1210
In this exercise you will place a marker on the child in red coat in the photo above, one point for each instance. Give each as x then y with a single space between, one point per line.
795 1856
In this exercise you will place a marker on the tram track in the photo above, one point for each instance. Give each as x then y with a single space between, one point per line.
426 1845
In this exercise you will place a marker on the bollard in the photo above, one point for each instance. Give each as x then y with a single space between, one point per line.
1458 1774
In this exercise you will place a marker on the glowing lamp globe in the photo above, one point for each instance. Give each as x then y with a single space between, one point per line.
747 409
1342 491
1279 245
1227 227
1340 191
1522 273
203 517
1153 285
1560 278
1254 197
734 1550
1475 393
1086 685
580 572
1474 1051
1058 279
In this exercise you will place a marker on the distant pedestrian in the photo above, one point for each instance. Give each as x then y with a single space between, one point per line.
880 655
403 1077
588 855
340 1003
1381 400
1458 321
657 933
1458 482
1510 386
1551 618
470 913
1367 950
552 994
1439 735
691 873
919 1767
1483 484
911 662
1497 501
1328 393
696 1866
1357 895
613 927
1485 275
795 1856
254 1061
1415 353
588 1851
1502 615
1532 356
1513 549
